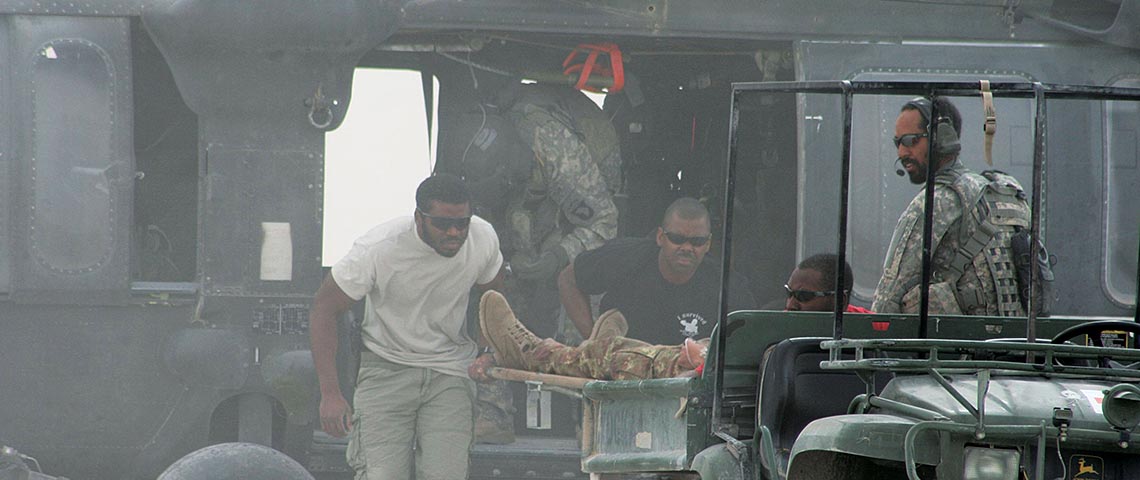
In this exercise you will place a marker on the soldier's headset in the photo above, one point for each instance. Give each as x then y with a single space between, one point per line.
945 136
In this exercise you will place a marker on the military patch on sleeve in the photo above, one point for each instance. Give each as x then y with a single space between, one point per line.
583 211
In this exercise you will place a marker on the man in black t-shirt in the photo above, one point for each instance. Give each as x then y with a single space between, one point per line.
662 285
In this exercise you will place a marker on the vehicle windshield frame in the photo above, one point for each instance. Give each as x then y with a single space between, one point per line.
1039 92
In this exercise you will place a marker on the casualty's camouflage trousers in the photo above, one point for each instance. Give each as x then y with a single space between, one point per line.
613 358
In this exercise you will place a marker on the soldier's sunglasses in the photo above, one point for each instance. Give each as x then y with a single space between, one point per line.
678 239
446 223
909 140
806 295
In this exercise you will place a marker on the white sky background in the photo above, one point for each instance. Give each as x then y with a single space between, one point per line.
375 160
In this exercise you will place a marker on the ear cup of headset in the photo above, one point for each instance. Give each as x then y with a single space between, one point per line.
945 136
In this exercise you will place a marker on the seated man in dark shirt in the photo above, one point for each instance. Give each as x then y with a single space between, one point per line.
662 285
811 287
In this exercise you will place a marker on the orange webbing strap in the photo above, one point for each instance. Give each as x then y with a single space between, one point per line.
990 126
616 70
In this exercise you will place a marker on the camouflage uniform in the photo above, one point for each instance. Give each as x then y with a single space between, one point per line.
898 290
607 354
614 358
567 203
568 200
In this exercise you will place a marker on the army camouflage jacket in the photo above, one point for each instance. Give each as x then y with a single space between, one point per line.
898 290
569 199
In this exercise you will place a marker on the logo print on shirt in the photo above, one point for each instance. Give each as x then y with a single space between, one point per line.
691 323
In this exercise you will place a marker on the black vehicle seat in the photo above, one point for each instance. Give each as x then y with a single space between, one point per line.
794 391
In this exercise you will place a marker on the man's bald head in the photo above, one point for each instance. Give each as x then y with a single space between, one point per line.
685 208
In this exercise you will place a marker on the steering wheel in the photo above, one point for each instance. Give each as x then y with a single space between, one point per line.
1098 327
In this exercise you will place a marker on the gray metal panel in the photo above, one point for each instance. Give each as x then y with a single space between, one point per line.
71 219
223 54
88 393
248 187
1076 154
105 8
740 19
7 156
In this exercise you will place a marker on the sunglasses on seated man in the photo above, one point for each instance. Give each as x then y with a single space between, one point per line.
806 295
678 239
445 223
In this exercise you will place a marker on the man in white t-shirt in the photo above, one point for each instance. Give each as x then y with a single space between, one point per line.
415 274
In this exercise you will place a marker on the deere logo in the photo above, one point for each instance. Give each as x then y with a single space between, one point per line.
1085 467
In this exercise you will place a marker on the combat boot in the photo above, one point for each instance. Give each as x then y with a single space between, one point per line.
610 324
512 342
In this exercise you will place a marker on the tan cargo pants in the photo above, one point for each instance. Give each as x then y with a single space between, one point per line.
397 407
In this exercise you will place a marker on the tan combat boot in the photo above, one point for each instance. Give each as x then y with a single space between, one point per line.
610 324
512 342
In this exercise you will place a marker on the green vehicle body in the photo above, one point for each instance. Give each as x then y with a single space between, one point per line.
663 425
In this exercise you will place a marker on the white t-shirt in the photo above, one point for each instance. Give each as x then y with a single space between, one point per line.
416 299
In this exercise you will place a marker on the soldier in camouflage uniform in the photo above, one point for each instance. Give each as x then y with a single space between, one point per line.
606 354
973 289
566 205
553 201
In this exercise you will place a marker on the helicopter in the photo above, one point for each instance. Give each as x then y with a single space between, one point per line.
153 152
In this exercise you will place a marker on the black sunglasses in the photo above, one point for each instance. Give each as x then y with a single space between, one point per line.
806 295
909 140
678 239
446 223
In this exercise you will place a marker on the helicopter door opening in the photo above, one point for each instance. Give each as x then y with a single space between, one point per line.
375 160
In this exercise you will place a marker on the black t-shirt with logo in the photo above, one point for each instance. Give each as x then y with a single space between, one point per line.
625 270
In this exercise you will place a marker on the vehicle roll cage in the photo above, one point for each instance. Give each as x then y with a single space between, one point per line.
1040 93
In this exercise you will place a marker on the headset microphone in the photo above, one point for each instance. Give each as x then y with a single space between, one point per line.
898 171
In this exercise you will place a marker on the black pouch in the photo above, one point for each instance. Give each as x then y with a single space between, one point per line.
1020 247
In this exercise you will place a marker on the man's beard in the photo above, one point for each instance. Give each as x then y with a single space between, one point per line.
918 176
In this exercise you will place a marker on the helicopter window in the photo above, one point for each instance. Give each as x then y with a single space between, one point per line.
377 157
1121 177
75 183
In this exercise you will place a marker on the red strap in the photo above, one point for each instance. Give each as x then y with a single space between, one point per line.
616 70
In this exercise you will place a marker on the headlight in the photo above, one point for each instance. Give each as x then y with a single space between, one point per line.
990 464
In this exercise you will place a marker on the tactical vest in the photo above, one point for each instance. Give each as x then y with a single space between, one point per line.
991 216
533 105
534 220
498 162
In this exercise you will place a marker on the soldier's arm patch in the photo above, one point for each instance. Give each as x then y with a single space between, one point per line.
582 211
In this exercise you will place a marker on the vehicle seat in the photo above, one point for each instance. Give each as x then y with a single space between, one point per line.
794 391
